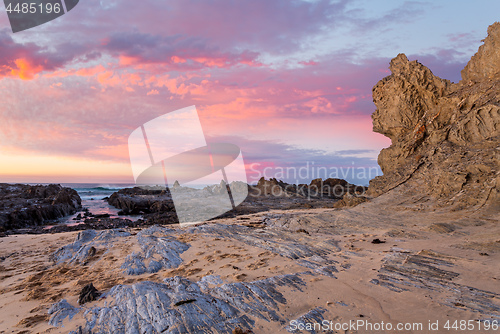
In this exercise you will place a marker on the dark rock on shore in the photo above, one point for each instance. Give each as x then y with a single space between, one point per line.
88 294
23 206
157 206
318 188
137 200
275 194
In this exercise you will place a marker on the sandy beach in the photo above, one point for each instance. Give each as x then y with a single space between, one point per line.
428 266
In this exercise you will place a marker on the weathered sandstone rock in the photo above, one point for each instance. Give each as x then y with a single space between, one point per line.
445 137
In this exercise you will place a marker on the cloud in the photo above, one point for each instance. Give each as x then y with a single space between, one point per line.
25 60
183 34
362 23
193 36
298 165
20 60
249 99
182 53
259 71
277 26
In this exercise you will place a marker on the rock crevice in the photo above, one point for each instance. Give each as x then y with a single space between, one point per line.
445 136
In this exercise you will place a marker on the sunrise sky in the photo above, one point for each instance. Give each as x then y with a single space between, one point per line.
288 81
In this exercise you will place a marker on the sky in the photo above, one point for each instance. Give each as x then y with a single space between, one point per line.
288 81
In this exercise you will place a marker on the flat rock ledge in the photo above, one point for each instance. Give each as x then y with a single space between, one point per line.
212 305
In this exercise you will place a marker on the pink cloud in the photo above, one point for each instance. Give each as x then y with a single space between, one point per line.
26 60
277 25
25 69
90 71
153 92
99 74
109 78
308 63
320 105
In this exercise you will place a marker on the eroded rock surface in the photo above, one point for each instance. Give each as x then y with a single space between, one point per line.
86 244
404 270
314 316
178 304
181 306
445 137
484 64
157 252
156 249
60 311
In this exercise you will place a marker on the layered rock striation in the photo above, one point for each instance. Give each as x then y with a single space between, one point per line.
445 136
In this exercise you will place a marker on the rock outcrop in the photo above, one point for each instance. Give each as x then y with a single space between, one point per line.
156 205
445 136
138 200
27 206
330 188
484 64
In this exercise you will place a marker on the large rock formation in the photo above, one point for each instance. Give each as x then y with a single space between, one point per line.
484 64
445 136
155 205
139 200
27 206
318 188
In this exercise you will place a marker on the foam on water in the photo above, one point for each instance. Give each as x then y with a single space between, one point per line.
93 194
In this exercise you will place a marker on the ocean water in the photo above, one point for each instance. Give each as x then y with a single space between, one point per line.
92 195
96 191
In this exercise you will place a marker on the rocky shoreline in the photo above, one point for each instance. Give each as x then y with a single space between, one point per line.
25 206
36 209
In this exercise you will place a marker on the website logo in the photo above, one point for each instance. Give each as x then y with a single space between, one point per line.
205 180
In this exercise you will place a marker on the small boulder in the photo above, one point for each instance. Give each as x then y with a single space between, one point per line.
89 293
